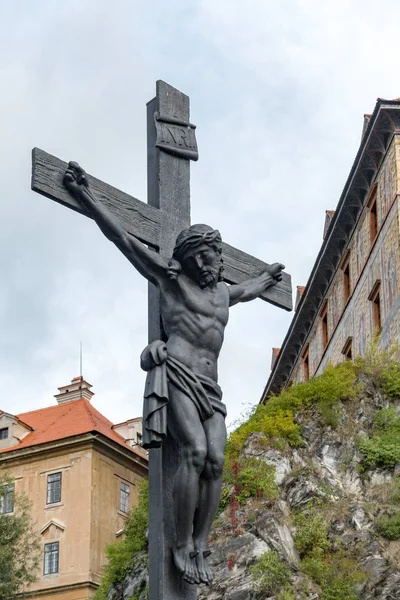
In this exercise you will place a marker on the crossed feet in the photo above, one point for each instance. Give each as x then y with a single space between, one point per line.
193 564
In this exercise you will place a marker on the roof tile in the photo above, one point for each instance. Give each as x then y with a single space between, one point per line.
66 420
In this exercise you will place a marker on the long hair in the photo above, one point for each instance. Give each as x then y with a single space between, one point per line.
192 237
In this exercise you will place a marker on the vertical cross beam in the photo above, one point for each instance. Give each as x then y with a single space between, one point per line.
169 191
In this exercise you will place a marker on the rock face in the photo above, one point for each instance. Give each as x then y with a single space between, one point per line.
323 477
135 584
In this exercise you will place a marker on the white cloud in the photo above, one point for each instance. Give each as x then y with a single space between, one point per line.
278 91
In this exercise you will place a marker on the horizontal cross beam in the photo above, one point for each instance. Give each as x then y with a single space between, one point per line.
138 218
239 266
143 221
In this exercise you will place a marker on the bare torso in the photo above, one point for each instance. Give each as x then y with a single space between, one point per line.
194 320
194 311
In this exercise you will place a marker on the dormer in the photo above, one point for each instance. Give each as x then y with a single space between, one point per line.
12 430
131 431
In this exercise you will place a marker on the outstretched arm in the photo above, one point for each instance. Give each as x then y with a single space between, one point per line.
252 288
149 264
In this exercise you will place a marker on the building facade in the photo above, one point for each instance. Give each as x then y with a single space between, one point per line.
82 478
353 291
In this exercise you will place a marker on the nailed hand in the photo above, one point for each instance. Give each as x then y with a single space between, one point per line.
75 177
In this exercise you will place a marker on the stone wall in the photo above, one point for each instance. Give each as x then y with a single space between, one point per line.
368 264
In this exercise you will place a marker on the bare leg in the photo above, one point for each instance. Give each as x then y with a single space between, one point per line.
186 428
210 492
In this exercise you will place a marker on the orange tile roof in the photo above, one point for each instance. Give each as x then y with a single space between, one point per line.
66 420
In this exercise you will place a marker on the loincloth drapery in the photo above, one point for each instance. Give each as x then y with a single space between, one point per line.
162 370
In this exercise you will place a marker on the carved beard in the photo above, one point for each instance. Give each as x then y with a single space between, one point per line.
208 277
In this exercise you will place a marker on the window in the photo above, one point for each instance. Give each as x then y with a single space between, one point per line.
345 266
51 558
375 299
348 348
7 500
124 492
373 217
139 438
4 433
53 488
324 324
306 364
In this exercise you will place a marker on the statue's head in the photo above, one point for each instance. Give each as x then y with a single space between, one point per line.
198 251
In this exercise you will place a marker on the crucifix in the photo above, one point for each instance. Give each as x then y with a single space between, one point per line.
188 268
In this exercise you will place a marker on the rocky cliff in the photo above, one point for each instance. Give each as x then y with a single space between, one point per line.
311 501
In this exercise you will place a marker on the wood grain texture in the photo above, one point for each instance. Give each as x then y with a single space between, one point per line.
144 221
240 266
140 219
169 193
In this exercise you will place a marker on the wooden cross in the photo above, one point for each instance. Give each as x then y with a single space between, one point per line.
171 144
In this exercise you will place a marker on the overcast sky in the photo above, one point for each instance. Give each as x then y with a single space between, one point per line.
278 91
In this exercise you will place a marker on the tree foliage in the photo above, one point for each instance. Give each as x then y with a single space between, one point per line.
20 549
121 554
270 574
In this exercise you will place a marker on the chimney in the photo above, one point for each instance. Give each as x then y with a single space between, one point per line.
329 214
366 121
299 293
77 389
275 354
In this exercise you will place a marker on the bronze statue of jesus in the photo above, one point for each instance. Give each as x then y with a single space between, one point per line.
182 392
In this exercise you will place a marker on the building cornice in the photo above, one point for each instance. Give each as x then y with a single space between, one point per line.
105 445
57 590
383 125
91 439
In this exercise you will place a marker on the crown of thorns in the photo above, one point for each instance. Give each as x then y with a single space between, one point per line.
194 236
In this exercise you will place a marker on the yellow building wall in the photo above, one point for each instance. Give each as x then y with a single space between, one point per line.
367 265
71 517
107 522
86 519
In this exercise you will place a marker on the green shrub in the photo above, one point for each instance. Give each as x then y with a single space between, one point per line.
326 391
225 498
395 497
375 361
311 538
287 595
20 545
380 366
252 478
391 380
247 478
389 527
381 450
339 589
257 479
120 553
336 572
387 419
135 530
279 424
276 418
270 574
